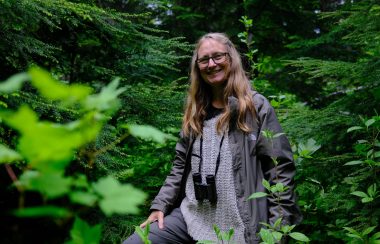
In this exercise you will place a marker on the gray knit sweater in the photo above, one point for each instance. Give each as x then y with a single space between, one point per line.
201 216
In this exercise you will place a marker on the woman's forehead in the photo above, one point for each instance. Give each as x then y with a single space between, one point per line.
210 46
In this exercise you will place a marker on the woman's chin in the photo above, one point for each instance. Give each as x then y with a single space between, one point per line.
217 79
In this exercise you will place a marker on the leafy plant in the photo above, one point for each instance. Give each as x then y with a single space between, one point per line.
305 150
143 233
371 194
46 149
276 232
223 237
364 236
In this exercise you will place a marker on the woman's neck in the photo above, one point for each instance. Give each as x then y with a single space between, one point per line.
218 97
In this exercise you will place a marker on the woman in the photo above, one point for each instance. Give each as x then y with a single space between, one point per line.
221 138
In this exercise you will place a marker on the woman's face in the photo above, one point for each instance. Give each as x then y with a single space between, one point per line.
213 62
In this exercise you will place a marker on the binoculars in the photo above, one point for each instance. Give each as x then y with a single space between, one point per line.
205 191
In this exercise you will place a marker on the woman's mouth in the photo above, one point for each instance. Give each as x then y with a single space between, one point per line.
213 72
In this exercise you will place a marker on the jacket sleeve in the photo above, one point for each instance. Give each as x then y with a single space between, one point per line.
170 190
278 149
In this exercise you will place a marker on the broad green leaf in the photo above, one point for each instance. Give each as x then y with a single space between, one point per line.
4 105
266 236
376 154
372 190
55 90
42 211
368 230
377 143
370 153
84 198
367 199
118 198
299 236
287 228
53 144
148 132
277 235
353 128
273 189
80 181
257 195
266 184
13 83
305 154
21 119
274 103
8 155
107 99
351 230
277 223
369 122
355 162
51 185
280 187
375 236
308 148
355 236
83 233
359 194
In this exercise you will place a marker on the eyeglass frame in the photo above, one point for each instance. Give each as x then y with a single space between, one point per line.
208 59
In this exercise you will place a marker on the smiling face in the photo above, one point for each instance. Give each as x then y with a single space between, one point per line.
214 74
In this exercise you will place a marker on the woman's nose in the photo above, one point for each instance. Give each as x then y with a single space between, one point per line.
211 62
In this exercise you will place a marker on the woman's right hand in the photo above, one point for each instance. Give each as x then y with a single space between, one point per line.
156 215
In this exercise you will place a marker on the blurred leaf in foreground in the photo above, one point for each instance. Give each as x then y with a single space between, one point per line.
118 198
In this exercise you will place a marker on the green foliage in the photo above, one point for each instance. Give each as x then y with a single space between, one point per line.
42 211
83 233
363 237
50 184
222 237
144 233
335 71
56 91
323 196
305 150
83 41
8 155
56 145
148 133
371 194
274 233
13 83
348 63
117 198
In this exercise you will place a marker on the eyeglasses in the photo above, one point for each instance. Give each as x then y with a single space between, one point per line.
217 58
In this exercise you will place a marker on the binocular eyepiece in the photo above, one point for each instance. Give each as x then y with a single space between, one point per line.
205 191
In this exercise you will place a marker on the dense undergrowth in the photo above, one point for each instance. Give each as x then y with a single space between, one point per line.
323 86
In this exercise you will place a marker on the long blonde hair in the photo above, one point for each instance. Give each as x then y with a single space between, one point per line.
199 94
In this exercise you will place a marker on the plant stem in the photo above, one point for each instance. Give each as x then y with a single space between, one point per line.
12 175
